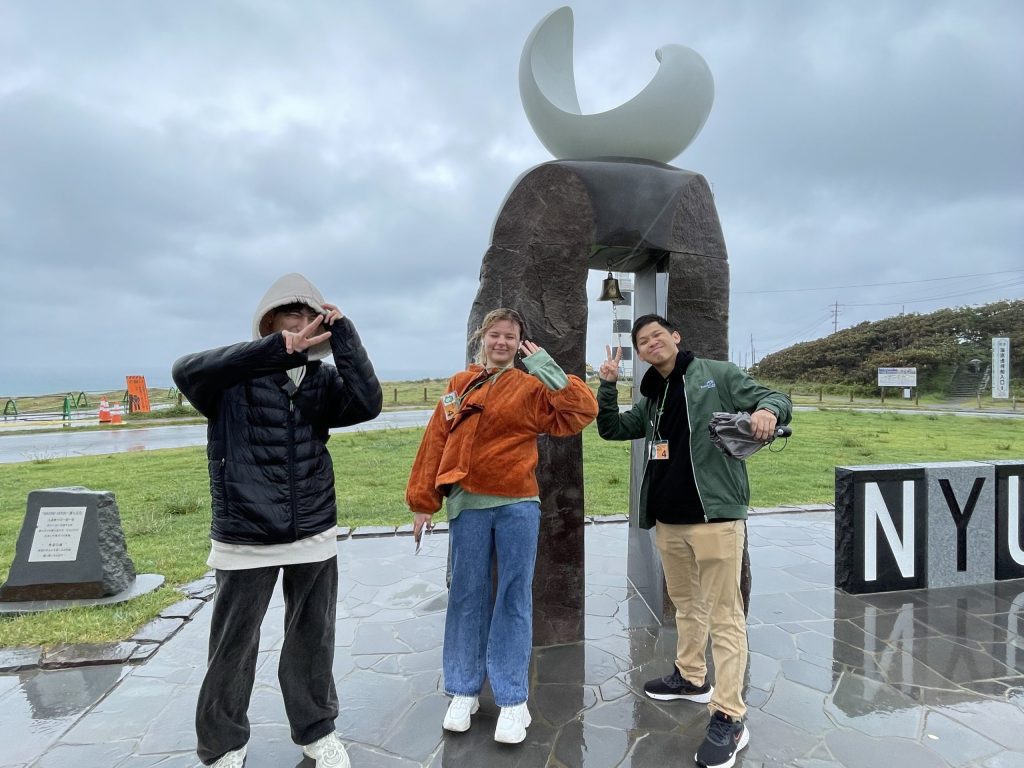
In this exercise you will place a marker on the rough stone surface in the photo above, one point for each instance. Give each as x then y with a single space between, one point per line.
698 300
846 562
632 206
101 567
561 219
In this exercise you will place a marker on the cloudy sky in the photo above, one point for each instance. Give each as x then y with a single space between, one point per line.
162 163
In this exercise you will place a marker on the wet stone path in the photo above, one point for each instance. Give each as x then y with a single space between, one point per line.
920 678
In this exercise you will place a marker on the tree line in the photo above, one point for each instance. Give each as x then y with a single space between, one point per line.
937 344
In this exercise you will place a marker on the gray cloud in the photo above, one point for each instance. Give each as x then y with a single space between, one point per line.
160 165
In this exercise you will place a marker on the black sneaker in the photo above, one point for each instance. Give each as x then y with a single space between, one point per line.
675 687
725 738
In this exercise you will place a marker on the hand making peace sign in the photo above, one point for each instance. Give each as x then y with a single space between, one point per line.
609 370
302 340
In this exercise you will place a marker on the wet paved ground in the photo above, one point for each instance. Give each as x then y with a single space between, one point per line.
921 678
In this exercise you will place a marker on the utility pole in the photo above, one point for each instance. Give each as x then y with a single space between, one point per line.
835 317
752 357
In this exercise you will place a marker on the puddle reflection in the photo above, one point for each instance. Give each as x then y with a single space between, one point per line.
900 649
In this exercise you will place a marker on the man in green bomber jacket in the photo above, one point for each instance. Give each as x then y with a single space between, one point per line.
696 498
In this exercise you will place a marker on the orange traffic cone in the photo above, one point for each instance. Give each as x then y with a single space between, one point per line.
115 414
104 412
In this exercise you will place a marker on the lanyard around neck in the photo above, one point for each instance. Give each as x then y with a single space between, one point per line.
492 378
656 423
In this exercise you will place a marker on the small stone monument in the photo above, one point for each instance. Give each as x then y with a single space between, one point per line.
71 546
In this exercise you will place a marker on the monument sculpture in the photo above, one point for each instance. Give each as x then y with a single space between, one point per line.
71 550
656 124
608 201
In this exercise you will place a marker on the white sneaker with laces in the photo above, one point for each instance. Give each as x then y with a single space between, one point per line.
233 759
457 718
512 724
328 752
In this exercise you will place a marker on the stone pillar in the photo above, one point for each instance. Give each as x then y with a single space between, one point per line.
537 265
560 220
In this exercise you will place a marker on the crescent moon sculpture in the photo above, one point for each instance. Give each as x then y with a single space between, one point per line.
656 124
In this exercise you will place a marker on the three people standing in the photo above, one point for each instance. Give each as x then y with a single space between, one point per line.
270 405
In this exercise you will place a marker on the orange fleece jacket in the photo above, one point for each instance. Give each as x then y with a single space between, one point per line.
490 446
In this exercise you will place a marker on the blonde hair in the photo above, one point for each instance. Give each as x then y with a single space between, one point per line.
491 319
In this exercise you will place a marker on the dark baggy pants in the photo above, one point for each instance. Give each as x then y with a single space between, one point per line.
305 669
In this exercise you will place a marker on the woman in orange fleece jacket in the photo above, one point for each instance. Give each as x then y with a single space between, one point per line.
480 453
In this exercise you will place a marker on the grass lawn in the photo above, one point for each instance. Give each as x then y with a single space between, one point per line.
164 501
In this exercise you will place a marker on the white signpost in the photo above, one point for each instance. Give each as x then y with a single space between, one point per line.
1000 368
897 377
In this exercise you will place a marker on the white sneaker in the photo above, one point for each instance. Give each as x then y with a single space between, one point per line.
233 759
328 752
512 724
459 711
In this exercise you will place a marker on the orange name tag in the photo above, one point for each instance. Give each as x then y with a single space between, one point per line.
450 403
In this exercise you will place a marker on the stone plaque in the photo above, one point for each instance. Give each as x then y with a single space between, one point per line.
961 523
71 546
881 528
58 534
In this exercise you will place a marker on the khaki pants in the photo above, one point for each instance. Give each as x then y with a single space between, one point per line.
702 573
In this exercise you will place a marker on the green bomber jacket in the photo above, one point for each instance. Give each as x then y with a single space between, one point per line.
709 386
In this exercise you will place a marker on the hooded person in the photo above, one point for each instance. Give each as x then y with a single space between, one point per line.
270 404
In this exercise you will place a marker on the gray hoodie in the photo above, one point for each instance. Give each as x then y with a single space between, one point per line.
291 289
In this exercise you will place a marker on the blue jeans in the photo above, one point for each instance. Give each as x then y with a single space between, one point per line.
482 635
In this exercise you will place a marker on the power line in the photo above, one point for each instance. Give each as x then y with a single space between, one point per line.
942 296
797 337
879 285
817 323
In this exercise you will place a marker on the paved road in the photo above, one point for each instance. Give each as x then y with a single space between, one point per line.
31 446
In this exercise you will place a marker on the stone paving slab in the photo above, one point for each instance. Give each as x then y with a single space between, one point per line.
921 678
140 585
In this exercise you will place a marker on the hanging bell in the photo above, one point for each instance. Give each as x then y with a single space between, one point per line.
610 290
